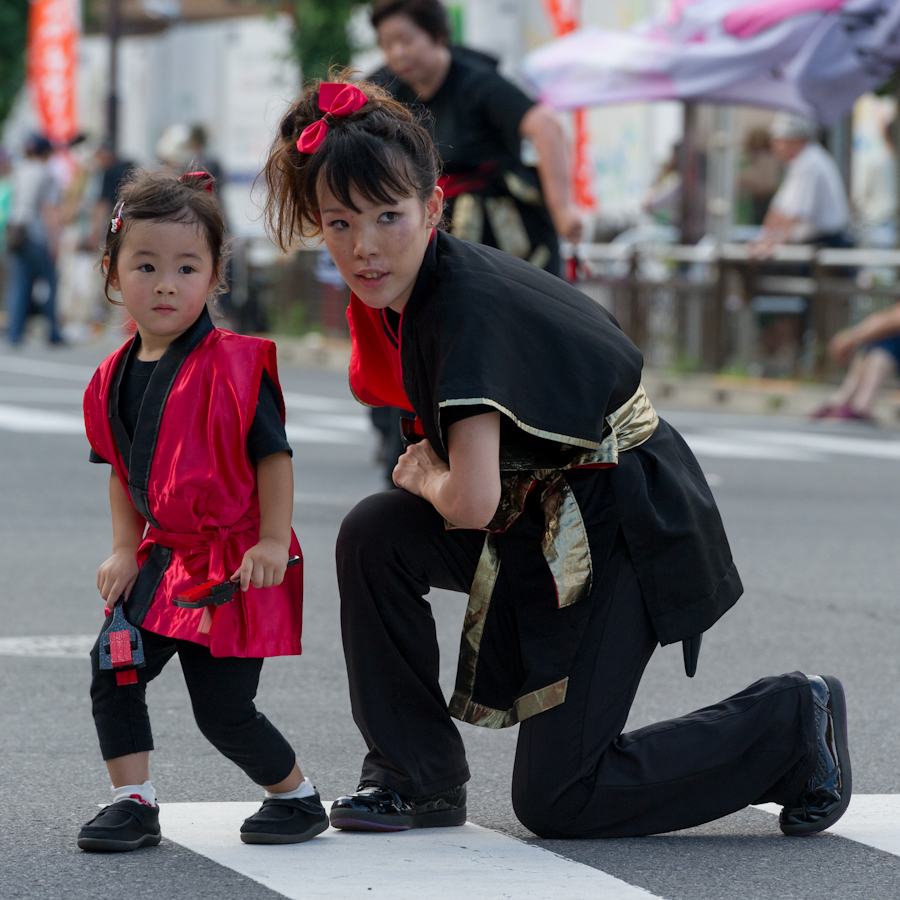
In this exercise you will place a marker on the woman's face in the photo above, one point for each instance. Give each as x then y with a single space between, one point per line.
379 249
413 55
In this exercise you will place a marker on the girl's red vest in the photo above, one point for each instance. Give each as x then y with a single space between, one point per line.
201 494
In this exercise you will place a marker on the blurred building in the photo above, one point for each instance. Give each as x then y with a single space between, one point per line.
216 63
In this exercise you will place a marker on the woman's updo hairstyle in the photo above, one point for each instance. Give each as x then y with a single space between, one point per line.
381 152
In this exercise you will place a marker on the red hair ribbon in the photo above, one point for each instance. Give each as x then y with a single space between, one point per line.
209 183
337 101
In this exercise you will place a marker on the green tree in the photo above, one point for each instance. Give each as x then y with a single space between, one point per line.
13 28
320 39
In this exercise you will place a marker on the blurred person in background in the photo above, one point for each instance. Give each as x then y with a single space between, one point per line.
32 237
80 286
5 209
662 199
109 172
876 200
810 206
871 348
479 120
200 157
758 178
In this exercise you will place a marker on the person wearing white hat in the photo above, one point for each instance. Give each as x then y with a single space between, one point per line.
811 205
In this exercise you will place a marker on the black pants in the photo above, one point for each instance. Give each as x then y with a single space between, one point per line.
222 690
576 774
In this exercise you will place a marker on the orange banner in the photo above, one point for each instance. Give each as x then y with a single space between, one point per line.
52 66
565 15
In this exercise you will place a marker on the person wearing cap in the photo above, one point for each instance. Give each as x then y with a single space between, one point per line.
31 239
810 206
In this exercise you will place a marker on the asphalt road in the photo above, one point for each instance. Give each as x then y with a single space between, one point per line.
812 517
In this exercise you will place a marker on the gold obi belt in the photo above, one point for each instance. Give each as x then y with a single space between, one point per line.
565 547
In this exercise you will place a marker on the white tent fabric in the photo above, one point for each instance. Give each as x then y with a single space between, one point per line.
811 57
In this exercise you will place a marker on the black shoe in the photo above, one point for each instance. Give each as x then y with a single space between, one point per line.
285 821
375 807
125 825
827 793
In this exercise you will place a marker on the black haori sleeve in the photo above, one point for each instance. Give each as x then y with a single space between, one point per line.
485 329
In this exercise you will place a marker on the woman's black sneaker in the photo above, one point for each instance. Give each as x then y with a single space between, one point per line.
376 807
285 821
125 825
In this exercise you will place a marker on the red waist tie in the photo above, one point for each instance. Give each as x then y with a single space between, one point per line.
204 549
457 183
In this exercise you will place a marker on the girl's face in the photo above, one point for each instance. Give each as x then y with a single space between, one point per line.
379 249
164 274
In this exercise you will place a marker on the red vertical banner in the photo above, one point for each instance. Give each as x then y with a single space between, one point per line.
52 66
565 15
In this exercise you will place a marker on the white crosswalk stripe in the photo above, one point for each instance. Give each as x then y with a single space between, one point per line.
432 863
315 419
871 819
310 419
43 646
790 446
38 421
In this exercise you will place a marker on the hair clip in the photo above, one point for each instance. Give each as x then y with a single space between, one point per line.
209 183
337 101
115 223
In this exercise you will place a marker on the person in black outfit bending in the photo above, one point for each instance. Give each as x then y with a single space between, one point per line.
540 480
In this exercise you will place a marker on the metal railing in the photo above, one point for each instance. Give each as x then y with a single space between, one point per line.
697 305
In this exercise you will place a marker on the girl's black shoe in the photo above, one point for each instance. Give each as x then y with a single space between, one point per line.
285 821
124 825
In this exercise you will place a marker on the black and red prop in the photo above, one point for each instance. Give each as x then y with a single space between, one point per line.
121 648
213 593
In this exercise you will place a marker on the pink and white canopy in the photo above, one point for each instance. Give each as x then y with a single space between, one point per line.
812 57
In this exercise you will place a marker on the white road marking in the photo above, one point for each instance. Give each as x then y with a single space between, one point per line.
21 365
315 403
314 419
432 863
871 819
39 421
342 501
723 446
305 434
49 645
826 443
345 422
41 395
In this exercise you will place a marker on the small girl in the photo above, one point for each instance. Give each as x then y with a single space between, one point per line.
191 418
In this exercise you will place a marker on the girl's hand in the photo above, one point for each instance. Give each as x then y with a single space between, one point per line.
116 577
418 465
264 565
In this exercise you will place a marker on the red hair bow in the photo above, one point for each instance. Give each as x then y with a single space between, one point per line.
209 183
337 101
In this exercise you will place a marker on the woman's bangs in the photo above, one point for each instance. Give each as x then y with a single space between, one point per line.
373 173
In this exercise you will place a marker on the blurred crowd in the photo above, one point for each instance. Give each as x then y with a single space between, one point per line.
55 206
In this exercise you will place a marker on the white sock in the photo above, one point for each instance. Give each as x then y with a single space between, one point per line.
304 789
142 793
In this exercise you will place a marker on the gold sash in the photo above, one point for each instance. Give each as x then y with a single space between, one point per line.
565 547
